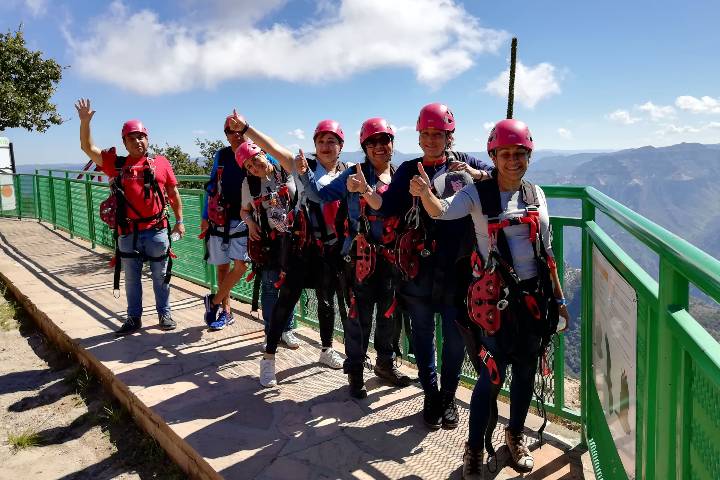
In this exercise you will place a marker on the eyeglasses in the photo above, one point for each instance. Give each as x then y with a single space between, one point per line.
232 132
383 140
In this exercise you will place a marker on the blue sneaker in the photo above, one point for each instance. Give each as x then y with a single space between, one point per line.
210 309
230 318
220 323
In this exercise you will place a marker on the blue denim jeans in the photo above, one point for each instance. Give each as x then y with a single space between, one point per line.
269 296
422 323
524 365
151 243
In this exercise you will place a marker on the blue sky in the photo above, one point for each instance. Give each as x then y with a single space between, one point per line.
592 75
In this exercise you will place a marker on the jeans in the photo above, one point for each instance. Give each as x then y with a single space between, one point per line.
150 243
422 323
524 365
377 291
269 296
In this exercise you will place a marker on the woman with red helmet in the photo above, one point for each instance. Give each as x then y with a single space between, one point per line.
506 211
428 286
317 266
369 264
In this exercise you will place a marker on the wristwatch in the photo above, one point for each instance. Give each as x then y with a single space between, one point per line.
561 301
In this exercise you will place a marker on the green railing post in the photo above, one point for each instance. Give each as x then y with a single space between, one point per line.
53 213
588 215
90 214
559 344
664 380
68 205
18 196
38 206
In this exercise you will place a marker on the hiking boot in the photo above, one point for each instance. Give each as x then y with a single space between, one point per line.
432 414
520 453
386 369
473 467
331 358
131 325
267 372
289 339
166 322
211 309
220 323
449 411
357 385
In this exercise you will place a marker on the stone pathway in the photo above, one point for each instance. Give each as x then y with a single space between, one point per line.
197 392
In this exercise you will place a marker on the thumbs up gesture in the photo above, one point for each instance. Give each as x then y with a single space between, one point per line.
420 184
301 165
356 182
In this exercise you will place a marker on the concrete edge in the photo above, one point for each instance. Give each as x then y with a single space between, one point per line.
192 463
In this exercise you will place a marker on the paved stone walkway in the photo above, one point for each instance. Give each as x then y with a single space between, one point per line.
197 391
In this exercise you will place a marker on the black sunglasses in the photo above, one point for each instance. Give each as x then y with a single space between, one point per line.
383 140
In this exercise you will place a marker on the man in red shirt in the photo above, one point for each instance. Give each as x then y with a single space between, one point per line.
142 228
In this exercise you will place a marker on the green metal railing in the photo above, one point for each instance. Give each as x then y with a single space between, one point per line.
677 428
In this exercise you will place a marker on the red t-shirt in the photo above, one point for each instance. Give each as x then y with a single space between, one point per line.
132 183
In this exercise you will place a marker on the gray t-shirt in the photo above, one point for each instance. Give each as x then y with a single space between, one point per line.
276 207
467 201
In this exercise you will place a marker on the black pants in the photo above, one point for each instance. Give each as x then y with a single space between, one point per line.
310 270
377 291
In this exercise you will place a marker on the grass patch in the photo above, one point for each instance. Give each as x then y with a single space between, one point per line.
24 440
8 314
81 380
113 414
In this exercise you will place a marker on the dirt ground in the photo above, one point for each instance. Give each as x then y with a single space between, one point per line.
56 422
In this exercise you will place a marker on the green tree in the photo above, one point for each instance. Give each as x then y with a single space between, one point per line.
181 163
208 148
27 82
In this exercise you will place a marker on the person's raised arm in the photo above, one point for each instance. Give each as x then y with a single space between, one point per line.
420 187
356 183
85 113
267 143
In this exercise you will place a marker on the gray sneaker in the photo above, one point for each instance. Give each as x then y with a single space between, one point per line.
166 322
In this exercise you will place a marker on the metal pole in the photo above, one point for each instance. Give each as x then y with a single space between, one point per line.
511 88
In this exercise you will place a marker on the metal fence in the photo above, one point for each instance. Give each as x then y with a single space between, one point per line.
678 362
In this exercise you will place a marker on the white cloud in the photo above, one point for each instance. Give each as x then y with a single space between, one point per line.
698 105
437 39
199 132
37 7
656 112
488 125
404 128
532 84
622 116
297 133
565 133
674 129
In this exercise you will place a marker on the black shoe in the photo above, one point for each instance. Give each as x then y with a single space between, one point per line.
432 414
473 467
166 322
357 385
131 325
449 411
387 370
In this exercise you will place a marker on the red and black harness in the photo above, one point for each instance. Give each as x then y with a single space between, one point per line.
496 291
114 212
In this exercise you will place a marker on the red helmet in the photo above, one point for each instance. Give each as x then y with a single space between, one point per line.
329 126
507 133
246 151
133 126
373 126
436 115
229 117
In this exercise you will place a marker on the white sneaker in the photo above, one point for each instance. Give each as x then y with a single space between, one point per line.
331 358
267 372
290 340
